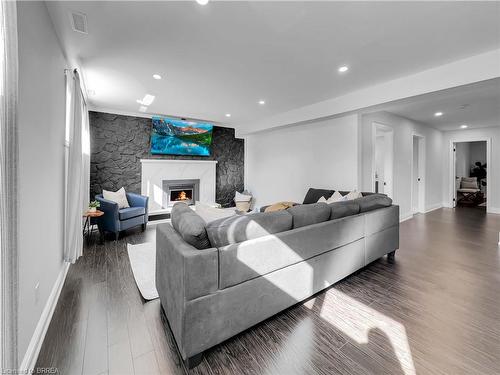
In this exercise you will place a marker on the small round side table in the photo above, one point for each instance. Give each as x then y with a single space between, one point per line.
88 226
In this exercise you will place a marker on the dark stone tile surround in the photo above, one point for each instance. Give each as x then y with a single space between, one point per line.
118 143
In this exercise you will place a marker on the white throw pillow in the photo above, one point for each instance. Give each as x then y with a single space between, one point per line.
208 213
353 195
336 197
238 197
119 197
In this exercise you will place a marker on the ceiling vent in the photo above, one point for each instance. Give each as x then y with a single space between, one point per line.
79 22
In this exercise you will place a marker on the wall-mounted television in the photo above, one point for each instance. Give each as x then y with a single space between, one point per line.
179 137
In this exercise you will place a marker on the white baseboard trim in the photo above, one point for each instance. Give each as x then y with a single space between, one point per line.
405 217
433 207
494 210
31 356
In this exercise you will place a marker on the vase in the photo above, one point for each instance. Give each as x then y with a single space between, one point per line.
92 209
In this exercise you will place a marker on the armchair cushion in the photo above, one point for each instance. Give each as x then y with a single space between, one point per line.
469 183
130 212
137 200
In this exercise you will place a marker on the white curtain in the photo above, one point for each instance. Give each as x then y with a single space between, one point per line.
8 184
77 167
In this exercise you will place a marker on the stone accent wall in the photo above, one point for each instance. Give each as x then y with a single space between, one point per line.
118 143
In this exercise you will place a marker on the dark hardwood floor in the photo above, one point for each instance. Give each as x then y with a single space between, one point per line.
436 310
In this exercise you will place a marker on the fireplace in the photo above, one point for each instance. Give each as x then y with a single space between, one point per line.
174 191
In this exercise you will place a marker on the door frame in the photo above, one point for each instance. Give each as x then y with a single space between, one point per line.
452 167
421 172
389 129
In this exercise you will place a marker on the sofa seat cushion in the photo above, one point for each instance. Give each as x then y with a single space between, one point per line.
343 209
240 228
251 259
308 214
190 226
373 201
130 212
313 195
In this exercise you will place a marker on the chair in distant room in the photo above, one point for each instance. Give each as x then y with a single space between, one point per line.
468 192
116 220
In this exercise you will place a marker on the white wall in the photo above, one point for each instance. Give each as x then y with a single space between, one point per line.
462 165
477 152
41 164
403 156
493 169
280 165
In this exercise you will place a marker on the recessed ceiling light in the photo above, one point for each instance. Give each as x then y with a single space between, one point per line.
464 126
262 102
437 114
343 69
156 76
147 100
143 108
228 115
202 2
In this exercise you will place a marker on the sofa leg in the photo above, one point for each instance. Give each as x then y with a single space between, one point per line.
143 227
193 361
391 256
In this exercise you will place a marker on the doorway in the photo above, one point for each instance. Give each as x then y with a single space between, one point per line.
418 173
383 160
470 174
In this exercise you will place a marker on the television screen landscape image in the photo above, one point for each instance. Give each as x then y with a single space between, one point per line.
179 137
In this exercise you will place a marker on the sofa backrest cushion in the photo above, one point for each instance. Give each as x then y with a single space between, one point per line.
363 193
190 226
240 228
344 208
313 195
373 201
308 214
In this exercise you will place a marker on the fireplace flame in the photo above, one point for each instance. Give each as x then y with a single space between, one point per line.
182 196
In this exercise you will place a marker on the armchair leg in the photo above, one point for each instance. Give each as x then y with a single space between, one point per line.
101 236
117 235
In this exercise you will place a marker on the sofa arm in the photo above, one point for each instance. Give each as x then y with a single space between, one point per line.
183 273
109 220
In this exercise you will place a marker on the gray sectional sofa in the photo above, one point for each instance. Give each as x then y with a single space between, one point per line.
218 279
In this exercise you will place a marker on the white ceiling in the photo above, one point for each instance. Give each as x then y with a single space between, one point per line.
225 56
476 105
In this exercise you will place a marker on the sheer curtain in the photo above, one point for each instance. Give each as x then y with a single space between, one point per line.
8 184
77 167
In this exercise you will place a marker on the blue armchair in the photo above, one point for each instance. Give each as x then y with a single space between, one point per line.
115 220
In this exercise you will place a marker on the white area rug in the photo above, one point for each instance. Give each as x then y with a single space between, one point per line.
143 262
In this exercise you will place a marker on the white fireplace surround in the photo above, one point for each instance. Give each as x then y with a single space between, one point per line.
154 171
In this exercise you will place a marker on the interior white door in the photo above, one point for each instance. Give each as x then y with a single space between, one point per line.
383 144
455 175
379 163
415 176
